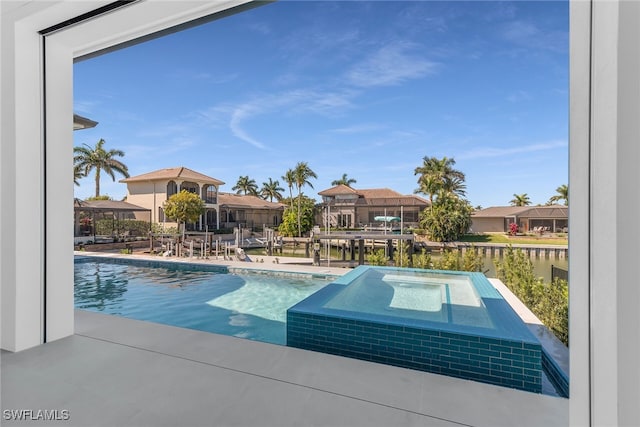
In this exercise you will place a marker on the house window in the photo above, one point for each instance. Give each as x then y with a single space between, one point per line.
172 188
344 220
191 187
210 194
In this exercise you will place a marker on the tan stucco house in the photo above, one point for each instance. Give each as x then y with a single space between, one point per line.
497 219
354 208
222 210
150 190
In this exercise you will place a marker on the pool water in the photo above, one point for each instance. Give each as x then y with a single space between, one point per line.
414 294
246 305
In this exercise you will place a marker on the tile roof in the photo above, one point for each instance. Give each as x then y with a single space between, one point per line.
174 173
338 190
230 200
377 196
554 211
379 193
399 200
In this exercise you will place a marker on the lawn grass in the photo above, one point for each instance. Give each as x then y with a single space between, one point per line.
522 240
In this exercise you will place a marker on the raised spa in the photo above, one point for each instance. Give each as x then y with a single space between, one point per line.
451 323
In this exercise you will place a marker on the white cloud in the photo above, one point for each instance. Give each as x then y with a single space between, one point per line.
360 128
390 65
84 107
288 103
530 36
500 152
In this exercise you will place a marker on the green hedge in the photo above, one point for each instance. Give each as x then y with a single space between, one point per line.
548 301
453 260
110 227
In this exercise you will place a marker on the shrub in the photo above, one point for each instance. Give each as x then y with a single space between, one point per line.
108 227
453 260
548 301
378 258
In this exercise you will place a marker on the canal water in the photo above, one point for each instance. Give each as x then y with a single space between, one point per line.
541 267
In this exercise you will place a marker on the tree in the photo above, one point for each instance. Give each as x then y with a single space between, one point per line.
436 175
520 200
87 159
77 174
246 185
302 172
448 218
184 207
289 225
563 194
290 178
344 181
271 189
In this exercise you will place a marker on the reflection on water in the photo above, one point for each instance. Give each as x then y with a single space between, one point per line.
242 305
99 286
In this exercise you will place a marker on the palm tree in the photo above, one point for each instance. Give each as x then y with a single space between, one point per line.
77 174
86 159
455 185
271 189
437 175
563 194
246 185
290 178
520 200
344 181
302 172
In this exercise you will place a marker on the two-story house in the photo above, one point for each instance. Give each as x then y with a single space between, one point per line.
351 208
222 210
150 190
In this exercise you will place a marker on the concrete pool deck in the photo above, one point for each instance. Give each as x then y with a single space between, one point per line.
118 371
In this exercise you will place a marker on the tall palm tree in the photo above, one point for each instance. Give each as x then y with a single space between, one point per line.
563 194
344 181
77 174
520 200
271 189
455 185
246 185
437 175
302 172
87 159
290 178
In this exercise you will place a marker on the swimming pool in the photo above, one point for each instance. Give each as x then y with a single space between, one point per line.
216 299
451 323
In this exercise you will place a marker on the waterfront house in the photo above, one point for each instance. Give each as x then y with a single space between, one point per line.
497 219
222 210
354 208
150 190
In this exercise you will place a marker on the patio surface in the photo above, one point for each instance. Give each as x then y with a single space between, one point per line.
117 371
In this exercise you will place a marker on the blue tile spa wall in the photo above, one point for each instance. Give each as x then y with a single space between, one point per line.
486 359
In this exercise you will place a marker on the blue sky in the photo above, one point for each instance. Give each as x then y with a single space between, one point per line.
356 87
